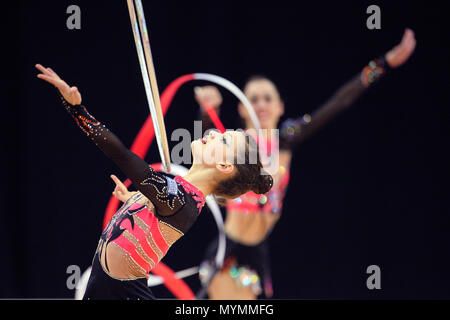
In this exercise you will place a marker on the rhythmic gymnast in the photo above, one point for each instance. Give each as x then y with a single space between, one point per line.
163 209
251 217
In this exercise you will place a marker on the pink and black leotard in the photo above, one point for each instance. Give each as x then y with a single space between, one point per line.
141 232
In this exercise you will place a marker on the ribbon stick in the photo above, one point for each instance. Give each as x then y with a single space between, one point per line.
148 75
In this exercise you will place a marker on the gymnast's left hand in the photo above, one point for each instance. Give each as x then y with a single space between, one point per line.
401 53
71 94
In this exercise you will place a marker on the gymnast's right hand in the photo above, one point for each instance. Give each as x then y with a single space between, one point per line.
120 191
208 96
71 94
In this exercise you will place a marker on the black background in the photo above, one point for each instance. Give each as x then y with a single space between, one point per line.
371 188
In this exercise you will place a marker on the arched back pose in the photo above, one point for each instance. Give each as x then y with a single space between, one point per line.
251 217
163 209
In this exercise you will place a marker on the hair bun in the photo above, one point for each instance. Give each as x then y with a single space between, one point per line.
263 184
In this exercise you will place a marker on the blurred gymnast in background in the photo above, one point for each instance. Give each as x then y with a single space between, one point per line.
251 217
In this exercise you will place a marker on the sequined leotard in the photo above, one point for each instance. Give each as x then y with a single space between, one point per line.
141 232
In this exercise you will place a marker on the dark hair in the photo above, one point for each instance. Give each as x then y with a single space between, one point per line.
248 177
259 77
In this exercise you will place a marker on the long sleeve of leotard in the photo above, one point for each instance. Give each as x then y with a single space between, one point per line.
295 131
161 190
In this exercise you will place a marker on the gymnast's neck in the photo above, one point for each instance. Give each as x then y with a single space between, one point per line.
200 177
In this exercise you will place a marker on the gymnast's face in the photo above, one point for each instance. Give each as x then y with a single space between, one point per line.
265 99
218 150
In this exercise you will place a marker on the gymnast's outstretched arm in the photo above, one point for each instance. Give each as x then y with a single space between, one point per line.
149 182
295 131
